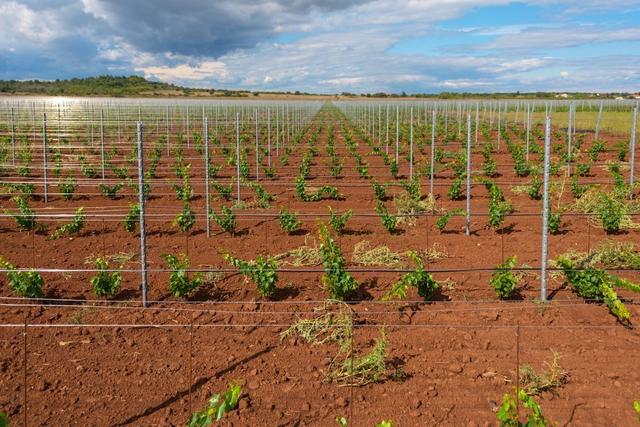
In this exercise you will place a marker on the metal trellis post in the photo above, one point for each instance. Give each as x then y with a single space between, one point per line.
238 154
206 174
468 221
141 201
632 148
545 210
44 156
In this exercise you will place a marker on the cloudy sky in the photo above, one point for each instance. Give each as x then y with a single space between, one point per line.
330 46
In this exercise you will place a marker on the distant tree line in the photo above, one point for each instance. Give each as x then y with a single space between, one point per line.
139 86
495 95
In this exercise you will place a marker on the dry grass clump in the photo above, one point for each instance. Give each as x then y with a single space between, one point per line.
303 256
593 201
120 258
365 254
408 207
434 253
549 379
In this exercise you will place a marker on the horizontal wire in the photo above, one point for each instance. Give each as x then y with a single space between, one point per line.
516 306
407 302
303 270
286 325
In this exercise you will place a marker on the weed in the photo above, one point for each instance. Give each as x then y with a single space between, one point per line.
433 253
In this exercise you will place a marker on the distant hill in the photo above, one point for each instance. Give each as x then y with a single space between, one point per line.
101 85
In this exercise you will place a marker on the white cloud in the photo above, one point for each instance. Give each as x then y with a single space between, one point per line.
19 23
464 84
565 36
342 81
184 72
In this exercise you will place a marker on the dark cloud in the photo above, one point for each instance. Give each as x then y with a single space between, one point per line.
202 27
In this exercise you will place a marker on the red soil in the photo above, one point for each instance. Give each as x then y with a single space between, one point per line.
458 354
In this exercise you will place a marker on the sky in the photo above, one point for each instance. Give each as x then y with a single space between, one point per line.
330 46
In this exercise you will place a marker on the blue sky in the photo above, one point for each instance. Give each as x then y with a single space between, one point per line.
330 46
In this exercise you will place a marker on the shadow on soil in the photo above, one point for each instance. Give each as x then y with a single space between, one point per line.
350 232
193 388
